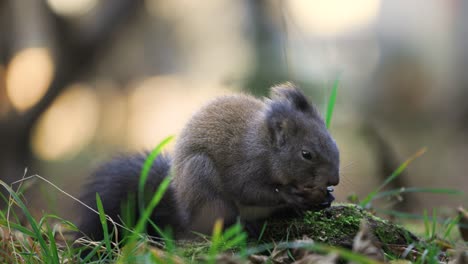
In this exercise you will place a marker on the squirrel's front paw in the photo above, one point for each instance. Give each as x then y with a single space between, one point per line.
291 196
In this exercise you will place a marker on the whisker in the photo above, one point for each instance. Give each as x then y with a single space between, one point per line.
351 163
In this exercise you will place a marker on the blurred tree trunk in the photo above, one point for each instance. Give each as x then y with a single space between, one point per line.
76 49
460 8
270 65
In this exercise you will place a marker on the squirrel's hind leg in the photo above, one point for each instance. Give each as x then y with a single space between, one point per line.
200 198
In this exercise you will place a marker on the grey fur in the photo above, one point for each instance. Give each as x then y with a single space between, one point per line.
238 157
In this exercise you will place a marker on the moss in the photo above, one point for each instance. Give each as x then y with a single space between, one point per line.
387 234
192 249
337 225
331 227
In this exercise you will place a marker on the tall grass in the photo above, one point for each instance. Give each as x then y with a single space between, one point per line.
48 250
147 167
44 247
368 199
331 102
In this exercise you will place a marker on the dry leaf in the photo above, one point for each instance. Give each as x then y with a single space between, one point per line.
224 258
306 256
463 224
258 259
407 252
366 243
461 258
280 256
318 259
300 253
163 256
227 259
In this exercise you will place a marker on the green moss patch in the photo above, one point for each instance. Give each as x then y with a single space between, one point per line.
337 225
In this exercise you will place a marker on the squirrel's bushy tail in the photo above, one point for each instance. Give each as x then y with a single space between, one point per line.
116 182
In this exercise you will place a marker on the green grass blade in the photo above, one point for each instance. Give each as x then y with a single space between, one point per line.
146 210
93 252
18 227
365 202
170 246
128 214
450 226
53 245
232 231
403 215
147 167
237 241
234 236
216 240
418 190
427 230
153 203
331 102
37 231
156 228
434 223
264 226
102 218
51 237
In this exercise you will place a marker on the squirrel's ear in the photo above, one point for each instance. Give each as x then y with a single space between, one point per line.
280 123
293 95
277 130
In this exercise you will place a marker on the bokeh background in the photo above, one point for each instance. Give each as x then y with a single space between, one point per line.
83 80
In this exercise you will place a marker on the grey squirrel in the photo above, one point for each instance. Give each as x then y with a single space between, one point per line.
238 157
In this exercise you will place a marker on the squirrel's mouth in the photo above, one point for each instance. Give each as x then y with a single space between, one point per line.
325 200
329 198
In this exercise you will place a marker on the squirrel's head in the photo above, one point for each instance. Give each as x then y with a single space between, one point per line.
304 153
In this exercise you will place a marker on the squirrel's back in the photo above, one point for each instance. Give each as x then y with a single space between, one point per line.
219 127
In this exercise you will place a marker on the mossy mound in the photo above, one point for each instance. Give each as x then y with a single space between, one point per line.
337 225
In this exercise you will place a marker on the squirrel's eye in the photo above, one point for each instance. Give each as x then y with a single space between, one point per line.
306 155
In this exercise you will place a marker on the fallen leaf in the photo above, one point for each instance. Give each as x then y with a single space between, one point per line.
280 256
164 256
258 259
463 224
227 259
318 259
461 258
366 243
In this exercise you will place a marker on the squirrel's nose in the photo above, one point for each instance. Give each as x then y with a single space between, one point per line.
334 178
